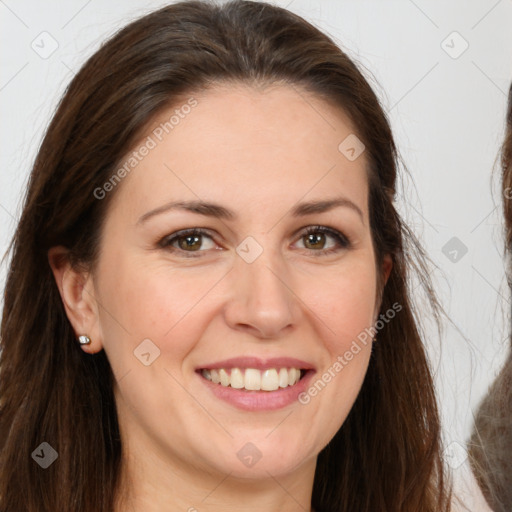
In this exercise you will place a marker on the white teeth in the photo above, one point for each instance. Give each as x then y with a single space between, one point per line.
252 379
224 377
269 380
283 377
236 379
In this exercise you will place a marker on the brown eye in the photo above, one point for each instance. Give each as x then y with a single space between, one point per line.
316 238
188 241
315 241
192 242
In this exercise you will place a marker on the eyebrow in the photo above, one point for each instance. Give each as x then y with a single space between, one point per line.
221 212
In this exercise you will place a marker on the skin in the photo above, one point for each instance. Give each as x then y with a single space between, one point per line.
257 152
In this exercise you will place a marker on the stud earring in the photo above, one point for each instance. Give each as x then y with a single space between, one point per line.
84 340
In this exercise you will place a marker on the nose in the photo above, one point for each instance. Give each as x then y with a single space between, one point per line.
262 301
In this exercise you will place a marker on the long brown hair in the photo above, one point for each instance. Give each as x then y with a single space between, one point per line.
490 445
387 454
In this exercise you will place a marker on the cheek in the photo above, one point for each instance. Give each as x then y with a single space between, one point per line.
346 303
346 306
140 301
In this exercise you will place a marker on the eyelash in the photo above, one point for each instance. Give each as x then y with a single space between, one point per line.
342 240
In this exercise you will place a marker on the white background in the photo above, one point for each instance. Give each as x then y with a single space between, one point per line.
447 114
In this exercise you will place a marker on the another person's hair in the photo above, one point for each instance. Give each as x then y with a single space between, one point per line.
386 455
490 445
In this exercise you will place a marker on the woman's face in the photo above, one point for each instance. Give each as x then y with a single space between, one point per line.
253 298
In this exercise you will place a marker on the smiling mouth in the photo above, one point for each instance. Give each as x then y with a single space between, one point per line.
252 379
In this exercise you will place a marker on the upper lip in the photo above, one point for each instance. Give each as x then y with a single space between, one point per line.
258 363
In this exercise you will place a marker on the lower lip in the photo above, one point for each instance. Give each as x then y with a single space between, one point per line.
259 400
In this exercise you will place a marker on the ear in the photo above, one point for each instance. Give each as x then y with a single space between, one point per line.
78 296
387 265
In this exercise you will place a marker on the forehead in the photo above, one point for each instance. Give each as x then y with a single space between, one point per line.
246 146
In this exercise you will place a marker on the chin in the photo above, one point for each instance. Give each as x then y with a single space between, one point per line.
263 458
